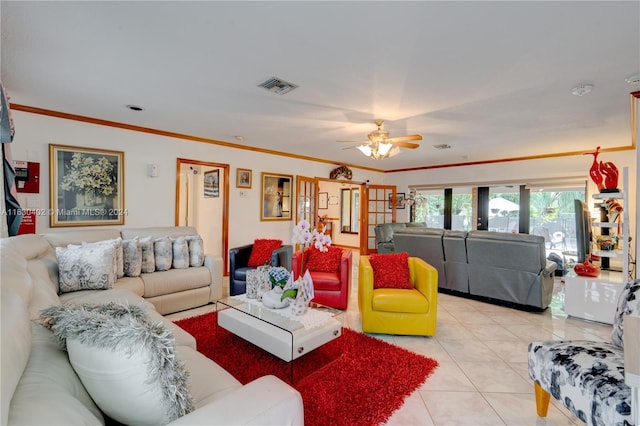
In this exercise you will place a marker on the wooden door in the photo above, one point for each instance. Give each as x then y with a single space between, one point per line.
378 208
307 199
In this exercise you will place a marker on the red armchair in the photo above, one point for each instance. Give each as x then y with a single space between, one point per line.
331 288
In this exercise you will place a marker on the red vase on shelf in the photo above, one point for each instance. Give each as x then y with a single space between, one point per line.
603 174
586 268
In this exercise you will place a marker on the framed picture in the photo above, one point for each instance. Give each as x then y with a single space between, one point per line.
323 200
212 184
399 203
275 193
86 186
243 178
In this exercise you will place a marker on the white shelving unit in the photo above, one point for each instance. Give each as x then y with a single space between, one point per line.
595 299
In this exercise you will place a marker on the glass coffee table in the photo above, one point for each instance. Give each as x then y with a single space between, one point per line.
277 331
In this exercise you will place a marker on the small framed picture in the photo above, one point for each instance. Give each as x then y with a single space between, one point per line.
211 184
399 202
243 178
323 200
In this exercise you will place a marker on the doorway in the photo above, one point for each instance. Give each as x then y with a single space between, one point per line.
202 191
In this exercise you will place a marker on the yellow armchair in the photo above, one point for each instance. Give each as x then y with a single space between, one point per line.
399 311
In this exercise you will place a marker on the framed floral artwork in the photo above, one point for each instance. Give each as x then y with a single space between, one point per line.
243 178
86 186
275 194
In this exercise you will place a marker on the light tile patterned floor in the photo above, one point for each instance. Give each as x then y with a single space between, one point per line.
482 350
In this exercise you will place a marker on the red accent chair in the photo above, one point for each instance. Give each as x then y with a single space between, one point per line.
330 288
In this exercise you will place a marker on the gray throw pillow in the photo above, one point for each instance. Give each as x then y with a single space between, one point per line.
132 254
127 363
148 256
88 267
180 253
196 250
163 253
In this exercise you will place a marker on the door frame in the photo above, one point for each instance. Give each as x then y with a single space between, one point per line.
224 194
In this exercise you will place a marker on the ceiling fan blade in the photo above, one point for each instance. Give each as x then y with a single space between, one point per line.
405 138
354 141
408 145
394 151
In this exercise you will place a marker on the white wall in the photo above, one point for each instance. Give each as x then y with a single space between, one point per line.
151 201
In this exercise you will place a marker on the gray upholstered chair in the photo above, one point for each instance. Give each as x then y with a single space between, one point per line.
238 265
425 243
597 381
384 234
456 266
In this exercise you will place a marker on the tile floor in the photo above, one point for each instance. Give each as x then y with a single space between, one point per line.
482 378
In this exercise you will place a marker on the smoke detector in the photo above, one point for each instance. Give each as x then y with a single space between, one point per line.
277 85
582 89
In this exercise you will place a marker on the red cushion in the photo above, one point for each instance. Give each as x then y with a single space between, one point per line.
262 250
391 270
328 261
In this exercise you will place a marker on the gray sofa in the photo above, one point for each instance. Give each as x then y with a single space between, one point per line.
42 386
384 234
496 266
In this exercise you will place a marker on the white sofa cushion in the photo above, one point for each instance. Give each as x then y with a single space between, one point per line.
127 363
163 253
180 253
132 257
148 257
89 267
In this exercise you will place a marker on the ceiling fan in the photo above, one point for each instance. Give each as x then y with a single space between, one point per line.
380 145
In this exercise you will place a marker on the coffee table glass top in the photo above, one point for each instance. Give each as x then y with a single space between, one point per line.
276 318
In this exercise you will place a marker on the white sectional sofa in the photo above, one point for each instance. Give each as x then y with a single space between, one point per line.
40 384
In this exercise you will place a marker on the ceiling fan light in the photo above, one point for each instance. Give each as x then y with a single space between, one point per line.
384 148
365 149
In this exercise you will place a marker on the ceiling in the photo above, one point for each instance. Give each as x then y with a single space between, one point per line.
491 79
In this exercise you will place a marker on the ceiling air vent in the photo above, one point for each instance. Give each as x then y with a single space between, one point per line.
278 86
442 146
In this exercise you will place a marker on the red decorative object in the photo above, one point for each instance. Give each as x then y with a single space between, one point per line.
391 270
377 375
587 269
262 250
604 175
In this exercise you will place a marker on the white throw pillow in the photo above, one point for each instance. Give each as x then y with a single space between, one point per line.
117 243
163 253
86 268
132 255
127 363
148 257
196 250
180 253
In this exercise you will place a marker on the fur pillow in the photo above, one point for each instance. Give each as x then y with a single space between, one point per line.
180 253
148 256
262 251
127 363
89 267
132 257
163 253
391 270
324 261
196 250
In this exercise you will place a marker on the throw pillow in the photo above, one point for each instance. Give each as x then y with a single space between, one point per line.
327 261
163 253
262 250
391 270
86 268
117 243
196 250
180 253
148 257
126 362
628 303
132 257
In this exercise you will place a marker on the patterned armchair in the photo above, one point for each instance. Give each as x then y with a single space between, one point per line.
597 381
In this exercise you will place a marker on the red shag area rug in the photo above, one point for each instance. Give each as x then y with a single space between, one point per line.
353 380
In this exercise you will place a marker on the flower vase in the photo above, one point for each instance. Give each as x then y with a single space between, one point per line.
273 299
264 285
